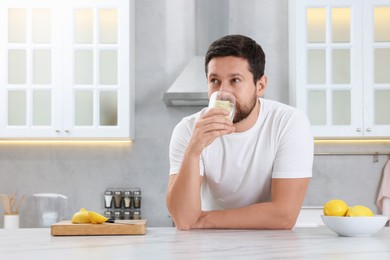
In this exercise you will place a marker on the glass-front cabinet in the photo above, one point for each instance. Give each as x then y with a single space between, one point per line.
340 65
65 69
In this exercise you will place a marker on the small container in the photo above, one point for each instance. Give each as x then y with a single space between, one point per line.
137 214
126 215
137 199
118 214
224 100
118 199
108 214
11 221
108 199
127 199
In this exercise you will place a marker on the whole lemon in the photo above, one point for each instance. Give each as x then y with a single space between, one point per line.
335 207
359 211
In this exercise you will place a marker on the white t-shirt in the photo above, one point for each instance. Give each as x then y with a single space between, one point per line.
238 167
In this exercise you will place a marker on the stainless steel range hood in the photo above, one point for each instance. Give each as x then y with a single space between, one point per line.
190 88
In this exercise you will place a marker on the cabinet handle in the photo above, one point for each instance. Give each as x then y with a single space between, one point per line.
57 130
358 130
368 129
67 131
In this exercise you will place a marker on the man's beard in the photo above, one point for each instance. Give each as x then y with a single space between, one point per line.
244 112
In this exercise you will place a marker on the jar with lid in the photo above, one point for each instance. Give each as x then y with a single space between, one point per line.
127 199
137 199
118 214
118 199
108 214
126 214
137 214
108 195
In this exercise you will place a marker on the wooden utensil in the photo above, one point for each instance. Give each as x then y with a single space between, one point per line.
9 203
66 228
20 204
6 204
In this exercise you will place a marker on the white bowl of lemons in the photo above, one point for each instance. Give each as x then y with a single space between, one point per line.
351 221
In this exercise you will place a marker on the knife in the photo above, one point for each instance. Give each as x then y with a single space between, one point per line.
126 222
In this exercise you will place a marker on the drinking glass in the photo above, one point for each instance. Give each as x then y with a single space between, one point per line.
224 100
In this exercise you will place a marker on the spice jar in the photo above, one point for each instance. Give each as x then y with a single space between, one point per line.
118 199
137 199
137 214
127 199
117 214
108 214
126 215
108 199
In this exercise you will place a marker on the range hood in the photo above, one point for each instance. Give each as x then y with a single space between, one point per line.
190 88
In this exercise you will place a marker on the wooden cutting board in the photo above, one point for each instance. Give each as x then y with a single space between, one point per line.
132 227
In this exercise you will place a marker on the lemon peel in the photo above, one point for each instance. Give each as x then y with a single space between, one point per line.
84 216
359 211
81 217
96 218
335 207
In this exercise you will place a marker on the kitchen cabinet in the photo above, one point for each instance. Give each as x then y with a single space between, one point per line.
66 69
339 66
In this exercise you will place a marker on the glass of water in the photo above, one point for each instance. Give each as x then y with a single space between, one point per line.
224 100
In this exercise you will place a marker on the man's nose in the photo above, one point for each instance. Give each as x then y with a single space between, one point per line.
224 86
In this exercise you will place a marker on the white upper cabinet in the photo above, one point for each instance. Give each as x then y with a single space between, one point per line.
66 69
340 65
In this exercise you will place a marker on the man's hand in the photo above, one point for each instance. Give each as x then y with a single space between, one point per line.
211 125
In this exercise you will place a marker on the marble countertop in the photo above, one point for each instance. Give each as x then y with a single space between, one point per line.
170 243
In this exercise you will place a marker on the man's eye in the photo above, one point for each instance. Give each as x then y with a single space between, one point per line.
236 80
214 81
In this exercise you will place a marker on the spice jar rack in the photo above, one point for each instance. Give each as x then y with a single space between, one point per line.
122 203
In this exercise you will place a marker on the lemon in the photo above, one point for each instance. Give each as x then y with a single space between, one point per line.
84 216
96 218
224 104
359 211
81 217
335 207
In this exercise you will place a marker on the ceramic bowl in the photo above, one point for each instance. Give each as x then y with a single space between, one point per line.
355 226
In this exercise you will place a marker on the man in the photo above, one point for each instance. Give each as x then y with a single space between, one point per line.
251 173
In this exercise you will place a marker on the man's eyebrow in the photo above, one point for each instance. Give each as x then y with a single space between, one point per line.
235 75
230 75
213 75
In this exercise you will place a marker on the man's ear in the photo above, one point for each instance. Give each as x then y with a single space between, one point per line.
261 85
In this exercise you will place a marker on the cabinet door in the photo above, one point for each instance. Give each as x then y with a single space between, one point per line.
29 87
377 72
326 65
68 69
96 91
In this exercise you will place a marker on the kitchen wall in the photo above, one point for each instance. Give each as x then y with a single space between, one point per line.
165 42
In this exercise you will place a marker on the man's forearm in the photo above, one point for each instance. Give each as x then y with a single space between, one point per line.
257 216
183 197
280 213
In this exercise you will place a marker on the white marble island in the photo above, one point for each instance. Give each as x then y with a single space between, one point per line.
169 243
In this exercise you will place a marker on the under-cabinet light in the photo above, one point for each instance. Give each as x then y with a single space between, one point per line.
66 142
352 141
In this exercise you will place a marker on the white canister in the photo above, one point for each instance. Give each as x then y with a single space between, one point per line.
11 221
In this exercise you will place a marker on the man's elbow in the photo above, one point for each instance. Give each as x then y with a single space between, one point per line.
183 227
287 222
183 224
